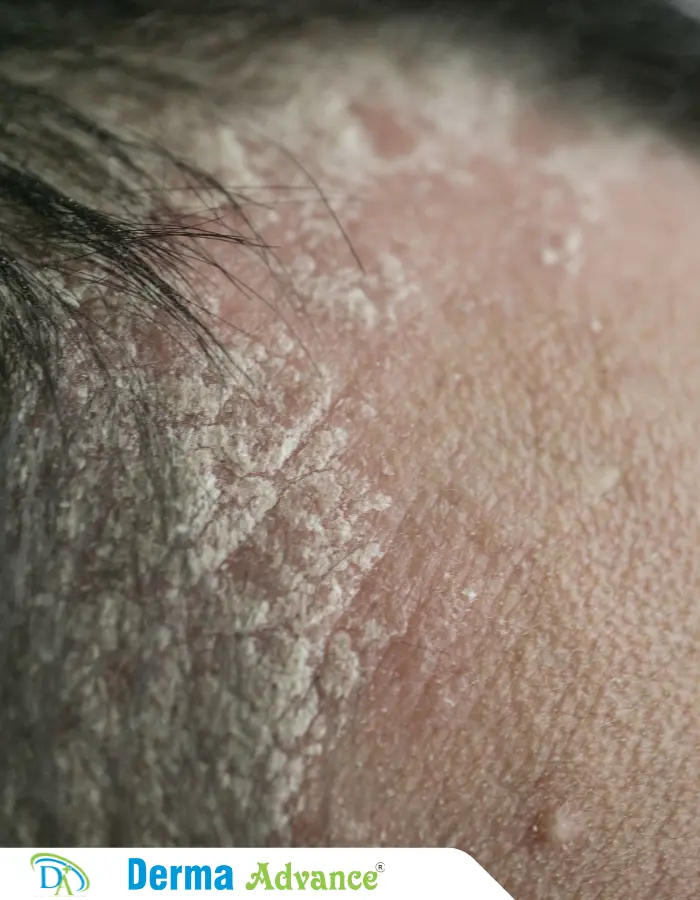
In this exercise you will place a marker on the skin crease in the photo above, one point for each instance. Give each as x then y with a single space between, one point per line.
509 661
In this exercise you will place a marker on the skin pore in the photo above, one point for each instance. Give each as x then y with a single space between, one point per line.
442 511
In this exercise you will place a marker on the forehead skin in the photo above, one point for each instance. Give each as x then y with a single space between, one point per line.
481 460
452 509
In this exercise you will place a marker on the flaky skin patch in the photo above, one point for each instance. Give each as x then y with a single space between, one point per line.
322 554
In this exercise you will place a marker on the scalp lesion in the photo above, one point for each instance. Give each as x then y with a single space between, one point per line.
178 527
102 725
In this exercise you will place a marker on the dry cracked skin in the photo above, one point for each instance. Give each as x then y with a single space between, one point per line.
431 577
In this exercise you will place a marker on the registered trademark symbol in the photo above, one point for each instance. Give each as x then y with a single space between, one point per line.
380 867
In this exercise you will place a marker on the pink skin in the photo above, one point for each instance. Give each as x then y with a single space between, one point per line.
490 488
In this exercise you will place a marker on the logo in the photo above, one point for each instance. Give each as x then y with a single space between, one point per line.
59 875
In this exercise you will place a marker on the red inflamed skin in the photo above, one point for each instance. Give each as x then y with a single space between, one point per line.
453 482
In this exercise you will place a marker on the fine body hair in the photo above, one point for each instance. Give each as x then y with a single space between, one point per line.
116 701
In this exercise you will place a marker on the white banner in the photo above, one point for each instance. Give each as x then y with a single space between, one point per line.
101 874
